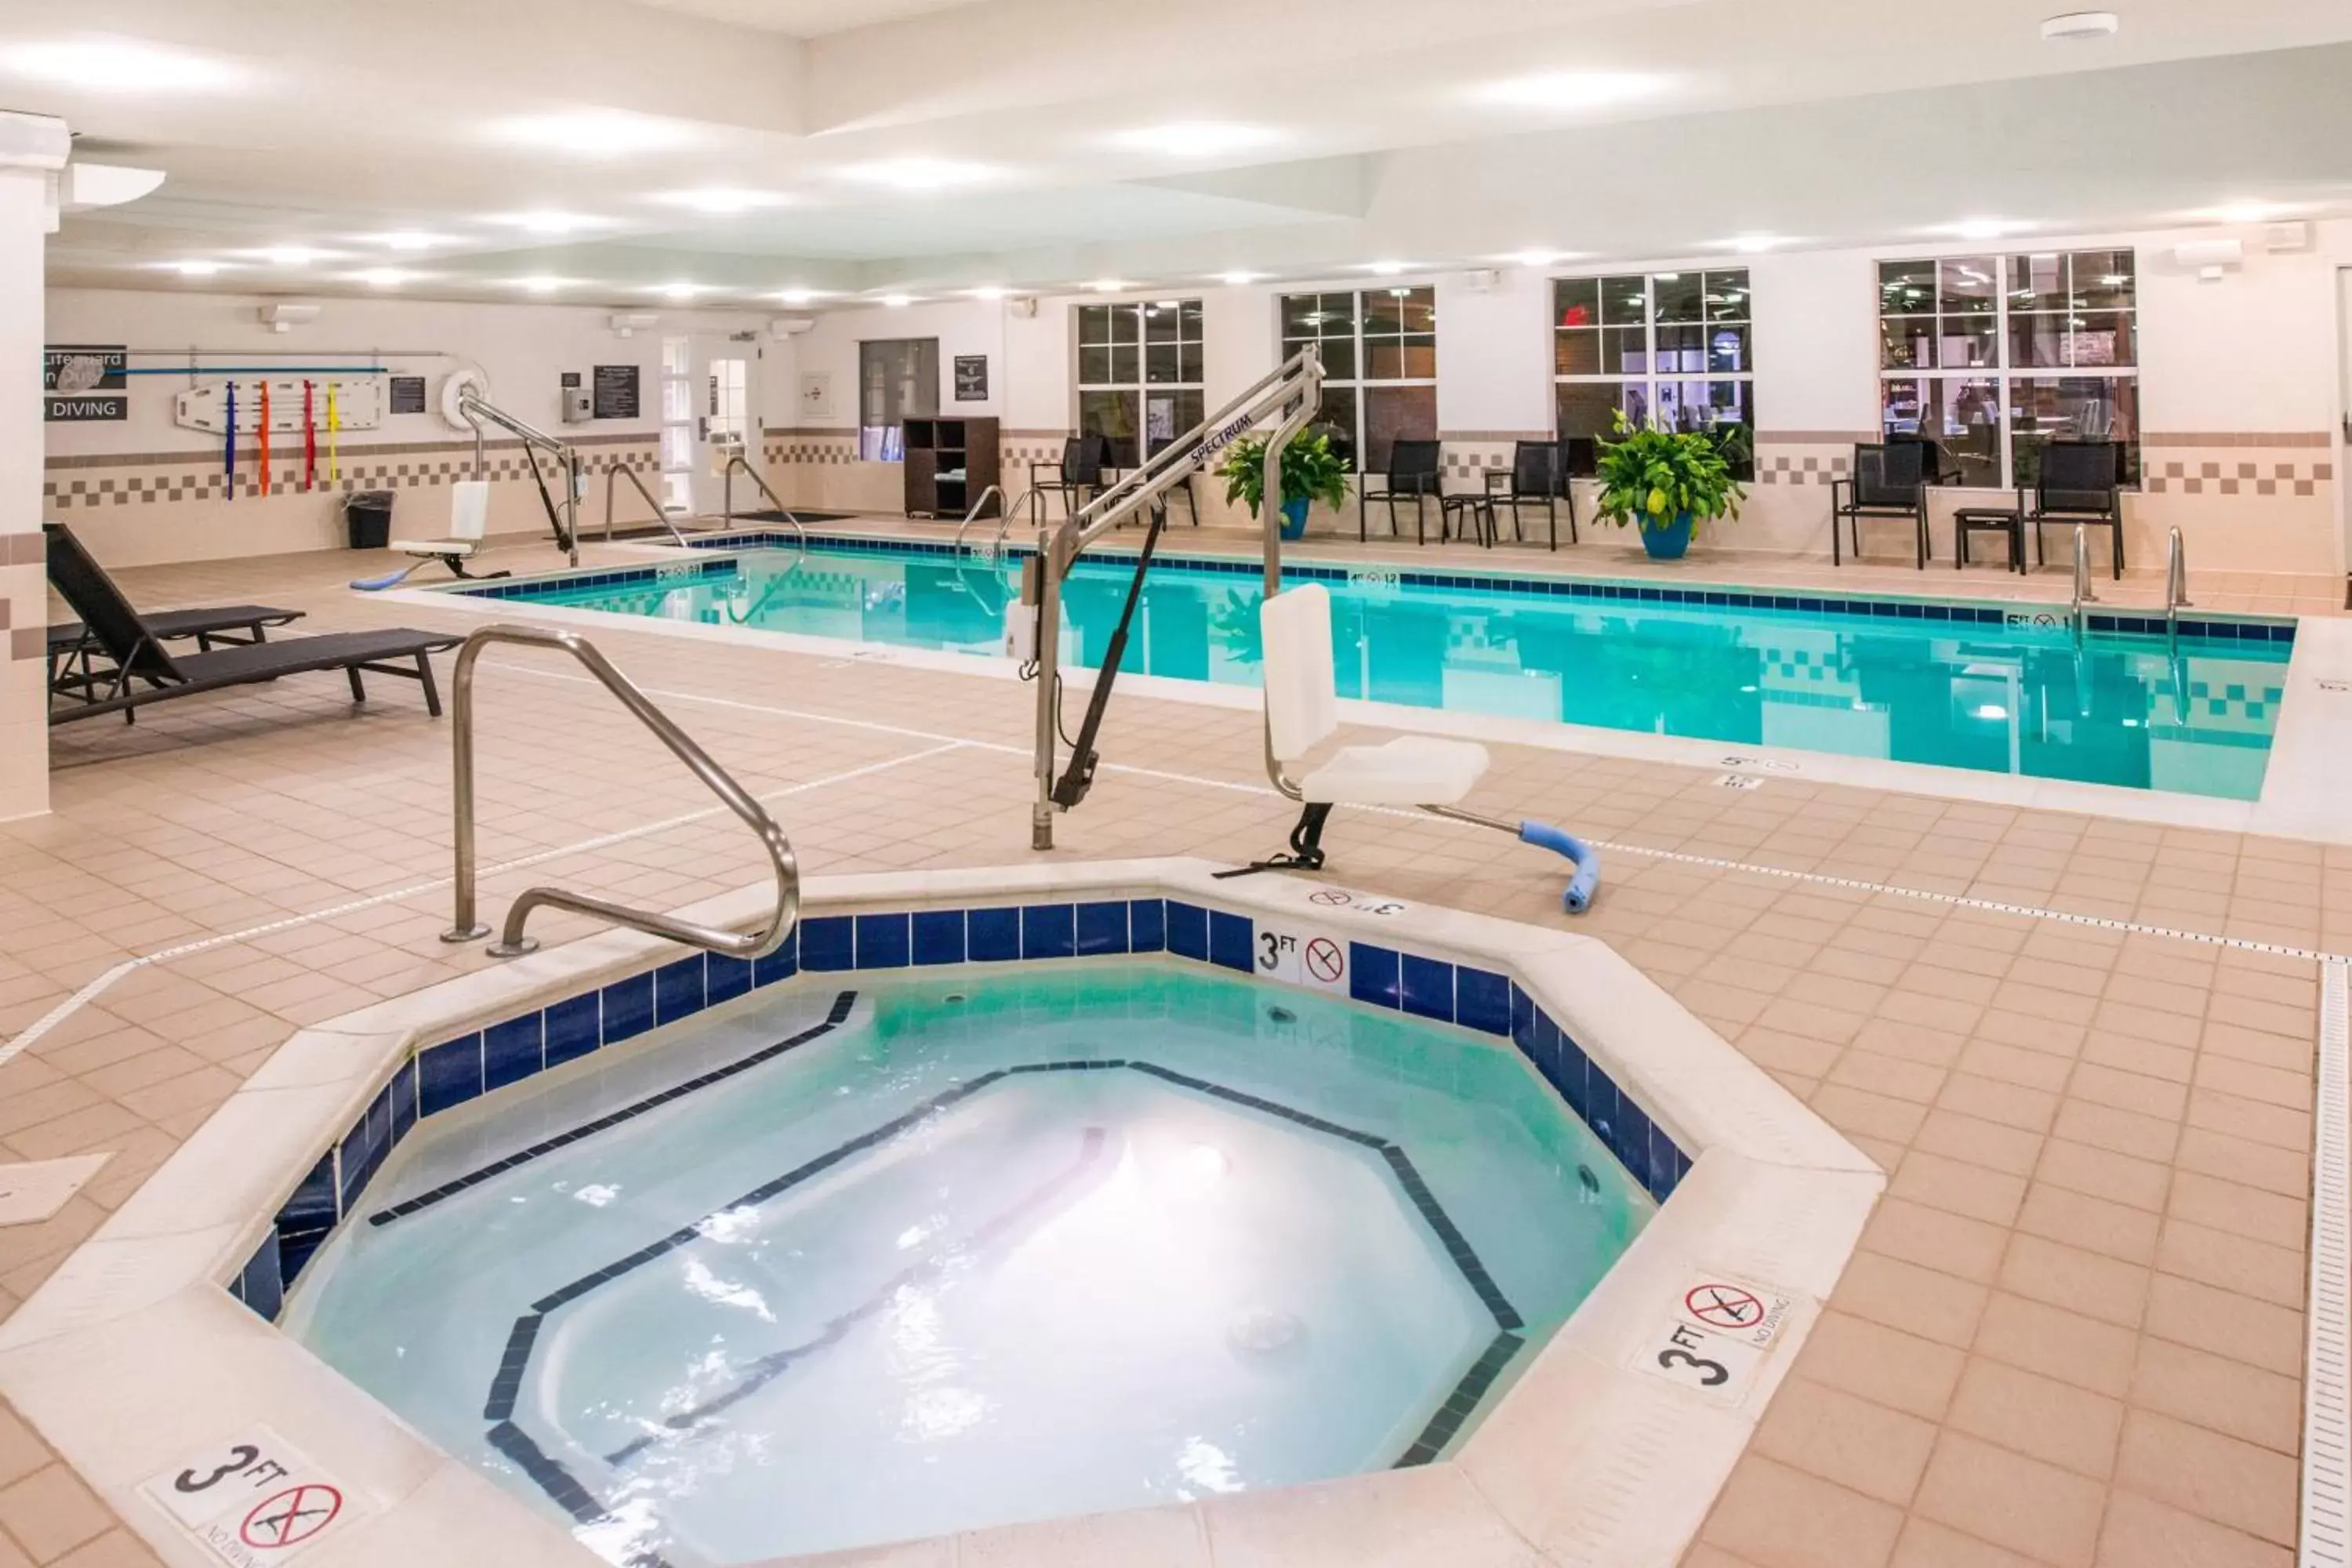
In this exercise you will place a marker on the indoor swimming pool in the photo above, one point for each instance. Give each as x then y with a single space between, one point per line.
971 1249
2003 689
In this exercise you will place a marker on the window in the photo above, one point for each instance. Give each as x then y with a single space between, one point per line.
1673 347
1140 373
897 379
678 425
1992 358
1379 365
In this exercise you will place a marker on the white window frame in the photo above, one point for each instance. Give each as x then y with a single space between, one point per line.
2001 373
1650 378
1142 387
1360 439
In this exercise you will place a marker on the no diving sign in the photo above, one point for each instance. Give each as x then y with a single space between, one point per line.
1315 959
1716 1335
252 1501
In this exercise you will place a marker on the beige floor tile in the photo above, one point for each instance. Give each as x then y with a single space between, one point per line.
2078 1280
2038 1417
1775 1516
2028 1507
50 1513
2210 1475
1839 1437
2141 1532
2086 1352
1899 1370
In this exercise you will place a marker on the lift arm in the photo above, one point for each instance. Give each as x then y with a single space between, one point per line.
566 525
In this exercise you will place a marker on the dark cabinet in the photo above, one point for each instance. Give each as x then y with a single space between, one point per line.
951 463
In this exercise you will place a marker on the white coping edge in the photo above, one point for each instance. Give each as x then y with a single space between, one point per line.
2327 1538
2297 799
132 1357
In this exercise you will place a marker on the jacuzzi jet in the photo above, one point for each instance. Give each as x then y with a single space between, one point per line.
1587 1180
1282 1014
955 997
1264 1332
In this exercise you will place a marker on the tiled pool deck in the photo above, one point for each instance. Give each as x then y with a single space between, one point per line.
2072 1335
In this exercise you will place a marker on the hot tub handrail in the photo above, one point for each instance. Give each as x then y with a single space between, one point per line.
727 506
465 927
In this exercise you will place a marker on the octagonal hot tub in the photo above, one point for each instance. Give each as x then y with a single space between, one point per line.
972 1251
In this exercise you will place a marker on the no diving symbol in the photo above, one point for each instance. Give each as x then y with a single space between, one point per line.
1331 896
1724 1307
1323 959
290 1517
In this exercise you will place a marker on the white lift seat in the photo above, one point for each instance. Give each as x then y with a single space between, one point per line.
469 520
1302 710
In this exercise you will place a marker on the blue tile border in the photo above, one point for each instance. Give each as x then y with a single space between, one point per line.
1994 613
446 1074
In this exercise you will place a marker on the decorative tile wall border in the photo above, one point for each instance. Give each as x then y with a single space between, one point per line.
1798 468
2251 629
2235 478
2239 438
444 1074
420 465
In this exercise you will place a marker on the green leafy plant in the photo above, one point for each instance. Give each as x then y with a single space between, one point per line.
1650 476
1311 470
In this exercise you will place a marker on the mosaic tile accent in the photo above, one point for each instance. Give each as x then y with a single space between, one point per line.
442 1075
1799 468
200 477
2235 477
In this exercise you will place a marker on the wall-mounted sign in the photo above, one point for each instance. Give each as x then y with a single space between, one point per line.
408 394
616 392
972 378
570 378
83 381
816 397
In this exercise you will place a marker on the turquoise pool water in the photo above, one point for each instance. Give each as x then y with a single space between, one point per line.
1963 687
993 1249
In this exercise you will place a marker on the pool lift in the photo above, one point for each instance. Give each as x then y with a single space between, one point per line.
469 507
1421 772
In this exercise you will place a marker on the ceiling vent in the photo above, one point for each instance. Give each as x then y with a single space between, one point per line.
628 321
2281 237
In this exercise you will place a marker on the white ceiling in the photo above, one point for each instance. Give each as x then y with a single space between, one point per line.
803 18
1816 121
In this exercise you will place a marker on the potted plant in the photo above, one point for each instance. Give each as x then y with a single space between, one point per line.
1663 482
1311 471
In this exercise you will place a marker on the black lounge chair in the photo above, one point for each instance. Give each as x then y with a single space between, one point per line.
1889 481
1535 477
73 652
1414 468
136 646
1077 479
2077 482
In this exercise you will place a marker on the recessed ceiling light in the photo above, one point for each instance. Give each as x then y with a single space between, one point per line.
119 65
2249 212
291 254
988 291
1571 90
385 277
681 293
598 133
1239 280
896 301
550 222
1108 284
723 199
917 174
1386 269
1195 138
1756 244
796 296
1983 227
1534 256
2081 24
540 283
407 239
194 267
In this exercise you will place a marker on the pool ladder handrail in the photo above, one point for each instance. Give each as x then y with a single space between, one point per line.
661 513
2176 585
512 943
2084 593
735 460
1006 512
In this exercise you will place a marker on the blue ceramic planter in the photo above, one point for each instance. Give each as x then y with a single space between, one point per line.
1294 519
1668 543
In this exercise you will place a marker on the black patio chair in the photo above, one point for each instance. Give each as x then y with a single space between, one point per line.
1889 481
2077 482
1413 471
1536 474
1077 479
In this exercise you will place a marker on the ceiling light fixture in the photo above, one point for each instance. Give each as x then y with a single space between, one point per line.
407 239
1533 256
796 296
1195 138
291 254
988 291
385 277
722 200
2081 24
916 173
1572 90
540 283
1983 227
598 133
1107 286
194 267
550 223
119 65
1239 278
896 301
1756 244
1387 268
2248 211
679 292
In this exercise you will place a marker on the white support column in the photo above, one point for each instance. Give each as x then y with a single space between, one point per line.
33 147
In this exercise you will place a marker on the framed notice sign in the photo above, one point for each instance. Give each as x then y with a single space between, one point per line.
84 382
616 392
972 378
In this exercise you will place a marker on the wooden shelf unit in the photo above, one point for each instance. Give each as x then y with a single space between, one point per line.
951 463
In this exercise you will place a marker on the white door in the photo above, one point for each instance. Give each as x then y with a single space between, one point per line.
723 390
2344 425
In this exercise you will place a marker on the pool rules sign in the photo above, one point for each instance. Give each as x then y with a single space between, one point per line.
84 382
252 1500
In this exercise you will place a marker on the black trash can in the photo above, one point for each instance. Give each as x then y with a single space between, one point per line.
368 514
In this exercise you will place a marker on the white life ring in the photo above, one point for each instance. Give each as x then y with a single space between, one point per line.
459 385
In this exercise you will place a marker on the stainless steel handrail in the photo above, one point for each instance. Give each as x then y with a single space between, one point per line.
1006 512
735 461
511 943
2084 593
661 513
472 410
2176 585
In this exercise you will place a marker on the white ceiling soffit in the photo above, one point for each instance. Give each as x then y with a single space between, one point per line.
803 18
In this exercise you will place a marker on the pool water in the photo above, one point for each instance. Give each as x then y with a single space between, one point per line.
995 1248
2119 709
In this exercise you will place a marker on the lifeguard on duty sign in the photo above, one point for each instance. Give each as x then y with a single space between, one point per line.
253 1501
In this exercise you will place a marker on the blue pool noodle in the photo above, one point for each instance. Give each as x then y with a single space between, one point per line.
1583 855
378 585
